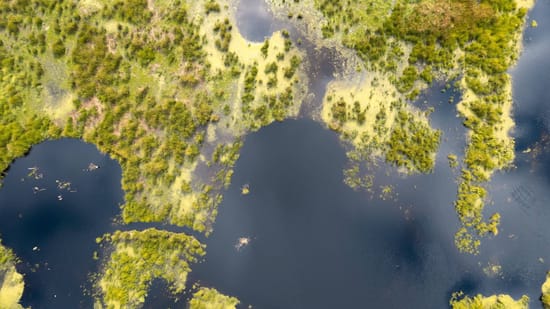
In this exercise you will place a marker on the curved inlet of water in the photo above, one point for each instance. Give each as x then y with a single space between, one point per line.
53 205
254 20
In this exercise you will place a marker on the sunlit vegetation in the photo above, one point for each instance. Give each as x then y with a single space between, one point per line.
412 43
459 301
21 77
412 143
207 298
376 127
545 298
11 282
491 302
137 257
453 160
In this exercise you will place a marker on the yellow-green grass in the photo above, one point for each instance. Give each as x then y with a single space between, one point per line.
11 282
208 298
490 302
136 258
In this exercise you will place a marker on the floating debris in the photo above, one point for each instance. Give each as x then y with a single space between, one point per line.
37 190
92 167
62 185
242 242
493 270
35 173
245 190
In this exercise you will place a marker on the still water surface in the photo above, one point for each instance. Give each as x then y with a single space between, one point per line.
52 229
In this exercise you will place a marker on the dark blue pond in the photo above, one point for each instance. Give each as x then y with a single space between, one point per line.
52 226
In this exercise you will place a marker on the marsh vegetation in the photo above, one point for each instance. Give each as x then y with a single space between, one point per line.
407 45
11 282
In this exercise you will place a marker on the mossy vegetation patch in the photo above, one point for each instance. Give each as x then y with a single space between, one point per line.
545 298
208 298
369 116
138 257
11 282
490 302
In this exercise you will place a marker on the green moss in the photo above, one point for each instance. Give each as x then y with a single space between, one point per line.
545 298
491 302
206 298
11 282
453 160
138 257
412 144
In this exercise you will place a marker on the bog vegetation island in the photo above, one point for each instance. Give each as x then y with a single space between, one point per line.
170 88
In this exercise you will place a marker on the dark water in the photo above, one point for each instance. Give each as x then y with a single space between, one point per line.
256 13
55 238
314 243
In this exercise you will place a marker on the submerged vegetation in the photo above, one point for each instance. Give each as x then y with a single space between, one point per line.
406 45
206 298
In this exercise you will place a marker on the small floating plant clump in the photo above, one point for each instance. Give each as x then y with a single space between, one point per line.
245 189
242 242
210 298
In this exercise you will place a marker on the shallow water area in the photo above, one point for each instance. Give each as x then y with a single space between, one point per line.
53 205
254 20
